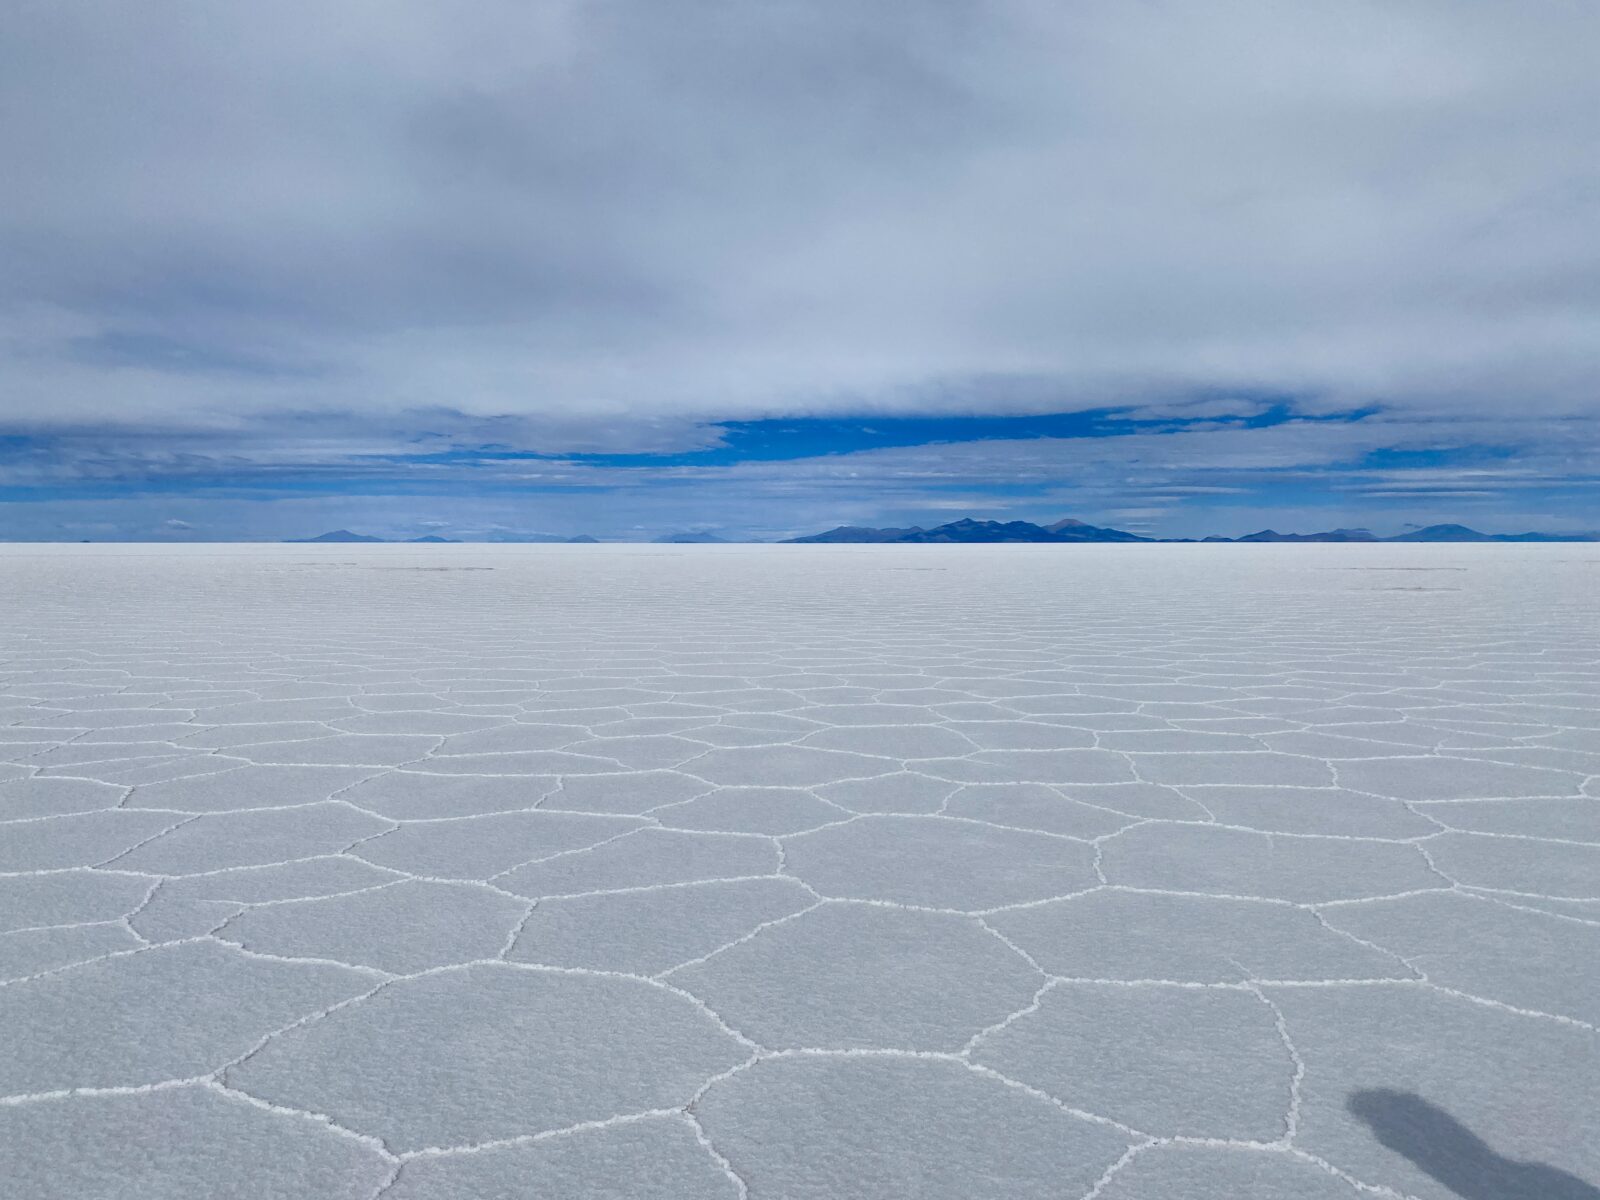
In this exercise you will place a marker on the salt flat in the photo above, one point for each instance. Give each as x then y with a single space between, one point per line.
1130 872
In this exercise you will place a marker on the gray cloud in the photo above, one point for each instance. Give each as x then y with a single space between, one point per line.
602 224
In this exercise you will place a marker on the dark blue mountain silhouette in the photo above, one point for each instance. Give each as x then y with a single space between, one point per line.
338 535
1460 533
860 533
972 531
969 530
1333 535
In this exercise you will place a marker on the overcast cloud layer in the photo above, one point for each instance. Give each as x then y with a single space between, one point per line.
253 238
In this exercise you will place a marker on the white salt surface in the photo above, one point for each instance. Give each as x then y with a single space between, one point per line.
1129 872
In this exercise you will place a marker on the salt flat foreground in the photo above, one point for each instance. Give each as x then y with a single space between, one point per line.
1132 872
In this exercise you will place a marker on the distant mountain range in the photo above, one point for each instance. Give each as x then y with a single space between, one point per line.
341 536
970 531
1332 535
503 535
688 539
338 535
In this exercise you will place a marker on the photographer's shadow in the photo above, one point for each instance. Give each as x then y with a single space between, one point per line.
1457 1157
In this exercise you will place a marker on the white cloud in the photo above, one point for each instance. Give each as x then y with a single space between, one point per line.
610 222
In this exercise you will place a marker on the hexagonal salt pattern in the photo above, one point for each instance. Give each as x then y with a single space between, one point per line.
135 1018
491 1052
1190 1172
656 1157
835 1127
1091 873
1170 1059
402 927
183 1143
860 976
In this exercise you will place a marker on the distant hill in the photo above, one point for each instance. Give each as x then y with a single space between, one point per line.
859 533
970 531
512 536
1443 533
1542 537
1333 535
1460 533
1433 533
433 539
338 535
1079 531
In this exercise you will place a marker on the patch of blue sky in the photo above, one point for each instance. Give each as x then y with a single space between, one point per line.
1397 459
786 439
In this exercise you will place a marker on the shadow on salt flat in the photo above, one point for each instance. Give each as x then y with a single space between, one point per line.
1455 1156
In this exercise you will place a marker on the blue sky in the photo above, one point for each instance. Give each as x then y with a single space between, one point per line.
615 269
